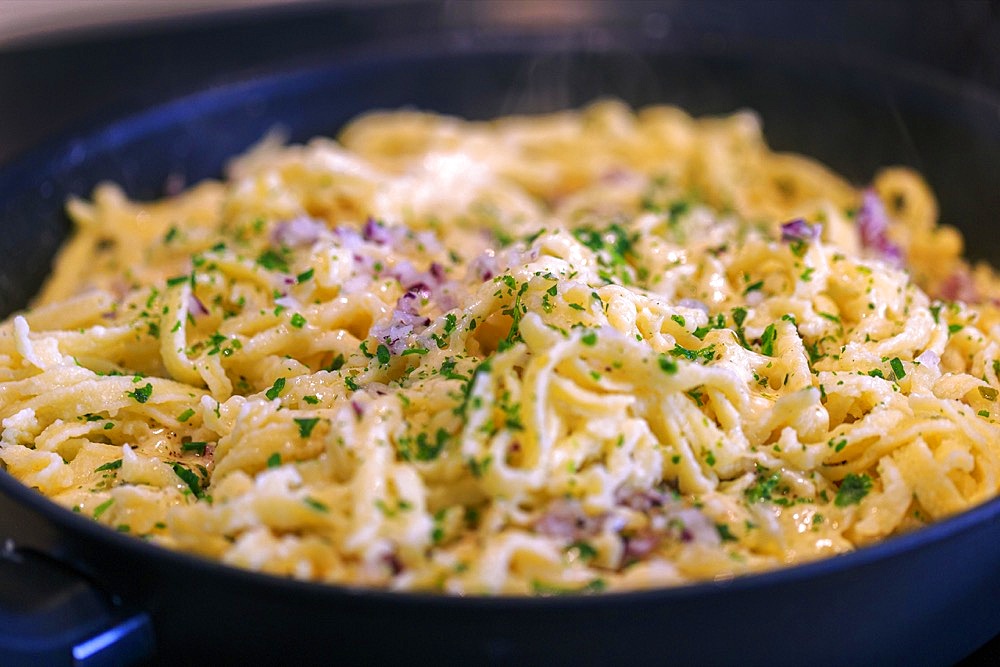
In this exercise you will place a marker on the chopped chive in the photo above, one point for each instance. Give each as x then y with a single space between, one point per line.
103 507
197 447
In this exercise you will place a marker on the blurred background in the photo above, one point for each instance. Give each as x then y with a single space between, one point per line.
63 60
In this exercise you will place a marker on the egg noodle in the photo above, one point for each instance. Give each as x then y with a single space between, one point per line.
598 349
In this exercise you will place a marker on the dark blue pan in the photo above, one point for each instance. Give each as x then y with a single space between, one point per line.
930 597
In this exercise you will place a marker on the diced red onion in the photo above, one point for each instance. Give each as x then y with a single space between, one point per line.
298 232
928 358
800 230
196 307
640 545
288 301
404 323
375 232
567 520
483 267
959 286
873 227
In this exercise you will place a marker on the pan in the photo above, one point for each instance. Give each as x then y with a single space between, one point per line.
73 592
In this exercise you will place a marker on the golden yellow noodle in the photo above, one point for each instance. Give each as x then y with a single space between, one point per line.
598 349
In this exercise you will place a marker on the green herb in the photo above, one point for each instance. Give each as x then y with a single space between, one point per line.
989 393
176 280
852 489
725 533
272 261
767 341
955 328
189 477
678 319
297 321
305 275
275 389
589 338
705 353
763 487
382 352
478 468
110 465
142 394
103 507
274 460
336 364
310 399
186 415
425 449
315 504
583 549
197 447
171 234
667 365
897 368
306 426
753 287
593 586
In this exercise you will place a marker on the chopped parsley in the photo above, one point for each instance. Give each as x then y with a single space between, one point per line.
142 394
276 389
306 425
272 261
852 489
767 341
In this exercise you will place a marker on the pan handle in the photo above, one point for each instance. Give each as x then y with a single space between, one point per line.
53 615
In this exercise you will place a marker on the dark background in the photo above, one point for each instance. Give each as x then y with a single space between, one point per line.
52 85
48 83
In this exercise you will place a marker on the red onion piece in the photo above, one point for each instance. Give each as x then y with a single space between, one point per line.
800 230
298 232
873 226
196 307
959 286
566 519
375 232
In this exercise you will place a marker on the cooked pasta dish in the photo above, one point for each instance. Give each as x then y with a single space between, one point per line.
593 350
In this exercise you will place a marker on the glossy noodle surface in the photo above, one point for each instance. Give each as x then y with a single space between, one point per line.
594 350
